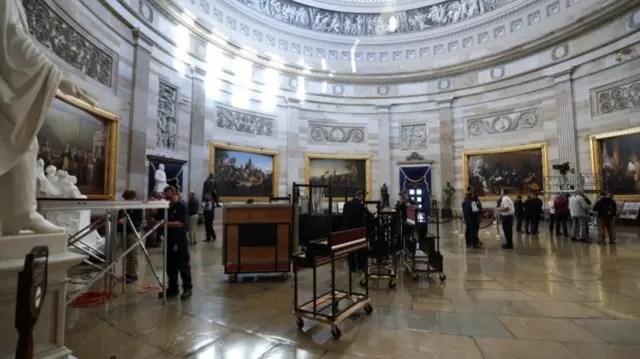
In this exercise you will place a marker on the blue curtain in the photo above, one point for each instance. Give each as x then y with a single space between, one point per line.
173 171
417 178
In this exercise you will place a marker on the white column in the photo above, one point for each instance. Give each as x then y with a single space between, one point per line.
198 151
447 154
565 119
383 173
139 113
293 162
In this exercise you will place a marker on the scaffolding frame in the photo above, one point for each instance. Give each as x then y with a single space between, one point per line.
110 220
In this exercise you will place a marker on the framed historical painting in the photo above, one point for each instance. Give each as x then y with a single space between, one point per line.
243 173
82 140
520 169
347 174
615 161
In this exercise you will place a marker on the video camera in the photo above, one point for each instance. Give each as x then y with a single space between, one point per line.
563 168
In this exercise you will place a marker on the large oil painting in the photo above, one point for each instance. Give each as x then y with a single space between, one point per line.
81 140
243 173
616 162
346 174
521 169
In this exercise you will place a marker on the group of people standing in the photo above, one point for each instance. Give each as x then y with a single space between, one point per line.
566 212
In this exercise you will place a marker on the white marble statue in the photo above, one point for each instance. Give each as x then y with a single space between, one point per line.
46 188
67 185
50 172
161 179
28 84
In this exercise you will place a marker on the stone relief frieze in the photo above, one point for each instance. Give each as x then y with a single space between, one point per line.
244 122
167 123
354 24
336 134
503 123
65 41
626 96
414 136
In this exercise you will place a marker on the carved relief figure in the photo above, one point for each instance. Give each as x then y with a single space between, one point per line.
444 13
244 122
167 127
414 136
29 81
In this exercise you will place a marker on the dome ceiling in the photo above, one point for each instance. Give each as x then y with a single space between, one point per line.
373 24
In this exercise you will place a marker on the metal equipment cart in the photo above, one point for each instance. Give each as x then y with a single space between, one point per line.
383 246
418 239
325 307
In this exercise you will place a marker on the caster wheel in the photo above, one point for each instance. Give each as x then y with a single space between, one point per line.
443 277
392 284
233 278
335 331
363 282
415 277
285 276
368 309
300 323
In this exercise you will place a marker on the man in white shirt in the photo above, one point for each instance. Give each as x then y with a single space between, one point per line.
506 210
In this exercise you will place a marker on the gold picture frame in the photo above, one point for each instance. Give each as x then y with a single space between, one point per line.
110 155
320 156
213 147
541 146
596 158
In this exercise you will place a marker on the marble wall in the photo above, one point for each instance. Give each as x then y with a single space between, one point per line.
163 72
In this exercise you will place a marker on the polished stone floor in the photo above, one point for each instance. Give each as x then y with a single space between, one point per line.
549 298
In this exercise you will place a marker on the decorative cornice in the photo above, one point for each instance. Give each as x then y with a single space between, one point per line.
501 123
365 24
336 134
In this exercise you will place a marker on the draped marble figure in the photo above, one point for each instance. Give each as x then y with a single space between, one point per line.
28 84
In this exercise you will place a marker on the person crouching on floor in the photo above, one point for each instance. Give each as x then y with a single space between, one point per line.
177 245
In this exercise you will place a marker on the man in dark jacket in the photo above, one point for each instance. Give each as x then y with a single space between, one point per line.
353 216
478 214
469 213
518 204
607 211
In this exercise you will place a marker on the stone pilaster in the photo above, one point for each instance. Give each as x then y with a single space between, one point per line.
198 151
293 161
139 113
447 153
383 173
565 119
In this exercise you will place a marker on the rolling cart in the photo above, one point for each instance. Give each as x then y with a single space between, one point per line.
325 307
382 263
418 239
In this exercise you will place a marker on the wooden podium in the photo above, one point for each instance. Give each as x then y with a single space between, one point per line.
256 239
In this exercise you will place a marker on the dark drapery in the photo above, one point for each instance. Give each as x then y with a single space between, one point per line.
417 178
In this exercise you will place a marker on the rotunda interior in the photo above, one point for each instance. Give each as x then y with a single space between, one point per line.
495 143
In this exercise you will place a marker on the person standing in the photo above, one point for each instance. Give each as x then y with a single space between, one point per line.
478 215
507 211
535 213
561 209
552 215
469 209
353 216
606 210
209 216
518 206
177 245
194 216
528 210
579 209
130 240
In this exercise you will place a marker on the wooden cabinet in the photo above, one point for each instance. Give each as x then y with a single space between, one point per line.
257 238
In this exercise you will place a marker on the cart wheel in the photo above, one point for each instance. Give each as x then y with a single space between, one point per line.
392 284
363 281
335 331
368 309
300 323
415 276
285 276
233 278
443 277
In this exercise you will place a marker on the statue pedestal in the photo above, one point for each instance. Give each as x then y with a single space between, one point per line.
50 329
446 213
